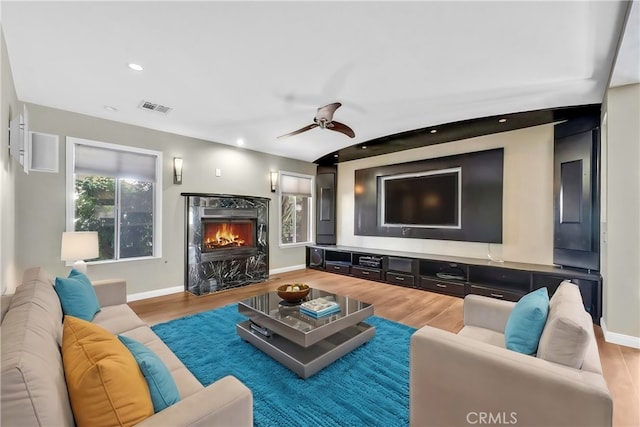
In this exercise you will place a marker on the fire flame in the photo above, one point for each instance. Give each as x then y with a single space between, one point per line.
224 236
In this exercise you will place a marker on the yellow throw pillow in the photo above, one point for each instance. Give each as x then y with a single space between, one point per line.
105 384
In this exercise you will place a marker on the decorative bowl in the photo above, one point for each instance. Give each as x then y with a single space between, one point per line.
293 292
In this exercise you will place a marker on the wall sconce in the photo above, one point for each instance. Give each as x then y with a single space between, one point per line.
177 170
274 181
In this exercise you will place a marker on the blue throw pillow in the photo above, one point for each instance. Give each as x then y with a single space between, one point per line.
526 322
77 296
163 388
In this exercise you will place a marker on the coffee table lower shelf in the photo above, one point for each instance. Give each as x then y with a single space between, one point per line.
306 361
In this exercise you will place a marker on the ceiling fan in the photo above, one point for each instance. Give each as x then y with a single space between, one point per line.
324 120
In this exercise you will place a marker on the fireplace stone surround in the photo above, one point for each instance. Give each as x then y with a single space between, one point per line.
226 241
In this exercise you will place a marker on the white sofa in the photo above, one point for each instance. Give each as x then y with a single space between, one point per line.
470 378
34 391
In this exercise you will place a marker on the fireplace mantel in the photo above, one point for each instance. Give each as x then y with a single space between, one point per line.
218 262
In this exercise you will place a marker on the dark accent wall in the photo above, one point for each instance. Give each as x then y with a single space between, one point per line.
482 175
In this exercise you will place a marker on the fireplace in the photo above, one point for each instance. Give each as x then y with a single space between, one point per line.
221 234
226 241
228 233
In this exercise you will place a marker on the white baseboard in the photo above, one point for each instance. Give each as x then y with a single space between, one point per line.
620 339
176 289
154 293
287 269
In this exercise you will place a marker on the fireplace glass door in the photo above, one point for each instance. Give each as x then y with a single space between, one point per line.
228 233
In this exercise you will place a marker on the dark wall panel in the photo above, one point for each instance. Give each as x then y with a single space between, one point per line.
326 205
576 241
482 175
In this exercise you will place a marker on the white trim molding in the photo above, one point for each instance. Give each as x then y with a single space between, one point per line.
155 293
620 339
287 269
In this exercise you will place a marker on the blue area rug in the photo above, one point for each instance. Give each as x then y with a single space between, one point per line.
367 387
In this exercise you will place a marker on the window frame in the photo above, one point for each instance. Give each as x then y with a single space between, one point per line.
71 143
310 219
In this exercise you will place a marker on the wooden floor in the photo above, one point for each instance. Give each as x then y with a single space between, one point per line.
621 365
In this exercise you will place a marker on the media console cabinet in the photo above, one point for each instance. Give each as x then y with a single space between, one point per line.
455 276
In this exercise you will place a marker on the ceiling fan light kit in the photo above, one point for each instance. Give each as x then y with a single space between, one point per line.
324 120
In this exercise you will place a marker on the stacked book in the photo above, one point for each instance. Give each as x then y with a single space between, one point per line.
319 307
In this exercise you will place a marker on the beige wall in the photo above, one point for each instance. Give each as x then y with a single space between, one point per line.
620 239
40 197
8 109
527 199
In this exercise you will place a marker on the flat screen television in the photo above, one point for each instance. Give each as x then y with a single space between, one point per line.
430 199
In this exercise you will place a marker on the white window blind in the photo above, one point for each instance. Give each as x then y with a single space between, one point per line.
95 160
295 185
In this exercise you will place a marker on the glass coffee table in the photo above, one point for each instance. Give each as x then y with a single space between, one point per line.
300 342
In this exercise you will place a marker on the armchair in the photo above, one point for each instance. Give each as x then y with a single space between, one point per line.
471 378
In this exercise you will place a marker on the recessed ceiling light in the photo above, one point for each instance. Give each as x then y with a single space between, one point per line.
110 108
335 155
240 142
502 120
433 131
364 147
135 67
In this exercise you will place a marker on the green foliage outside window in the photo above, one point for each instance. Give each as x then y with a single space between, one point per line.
295 219
288 211
136 218
95 210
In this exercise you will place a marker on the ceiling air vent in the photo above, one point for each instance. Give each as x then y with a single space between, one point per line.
146 105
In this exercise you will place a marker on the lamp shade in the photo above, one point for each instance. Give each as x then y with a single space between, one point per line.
79 245
177 170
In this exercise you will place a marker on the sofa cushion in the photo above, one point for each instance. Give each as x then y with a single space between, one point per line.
526 321
162 387
77 296
186 382
105 385
118 319
566 291
567 334
34 391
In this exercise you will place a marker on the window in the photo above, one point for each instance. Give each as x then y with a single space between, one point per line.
295 208
116 191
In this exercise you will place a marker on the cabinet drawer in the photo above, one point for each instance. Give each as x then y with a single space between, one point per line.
516 281
450 288
366 273
496 293
400 279
337 267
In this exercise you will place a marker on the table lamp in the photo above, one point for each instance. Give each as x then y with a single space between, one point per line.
78 246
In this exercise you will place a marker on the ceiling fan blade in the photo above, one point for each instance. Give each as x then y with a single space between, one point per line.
327 111
342 128
304 129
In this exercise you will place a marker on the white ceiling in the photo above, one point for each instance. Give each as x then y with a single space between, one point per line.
256 70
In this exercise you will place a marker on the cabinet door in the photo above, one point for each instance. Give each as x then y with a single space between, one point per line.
576 200
366 273
496 293
336 267
400 279
442 286
326 206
